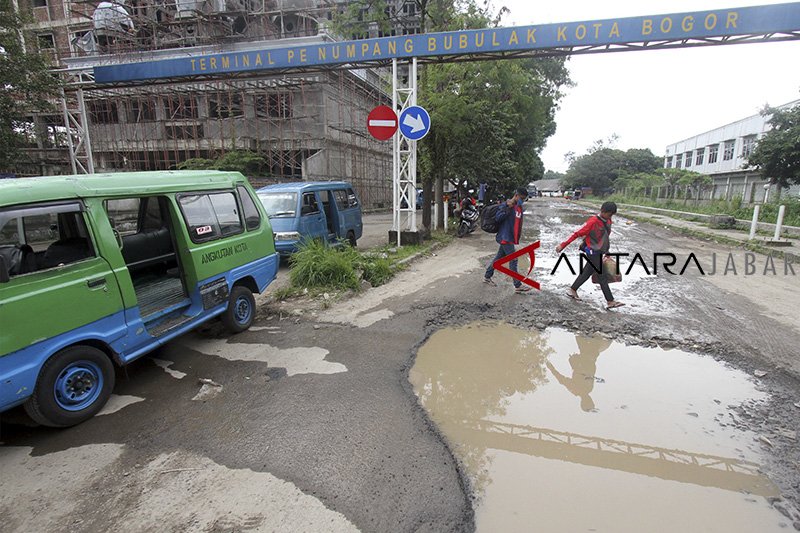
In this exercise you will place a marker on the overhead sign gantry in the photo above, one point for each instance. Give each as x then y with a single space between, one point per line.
714 27
757 24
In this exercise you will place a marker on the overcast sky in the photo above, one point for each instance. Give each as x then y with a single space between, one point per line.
654 98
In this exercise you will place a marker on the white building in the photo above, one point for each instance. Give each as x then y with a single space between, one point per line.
722 154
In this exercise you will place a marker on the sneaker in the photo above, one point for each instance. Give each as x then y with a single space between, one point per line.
522 289
489 281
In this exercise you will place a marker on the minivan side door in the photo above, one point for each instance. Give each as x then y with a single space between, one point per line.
60 282
313 224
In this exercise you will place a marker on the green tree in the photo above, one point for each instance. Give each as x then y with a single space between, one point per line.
490 119
602 166
553 175
777 154
244 161
27 85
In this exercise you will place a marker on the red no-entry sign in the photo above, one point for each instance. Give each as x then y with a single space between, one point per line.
382 122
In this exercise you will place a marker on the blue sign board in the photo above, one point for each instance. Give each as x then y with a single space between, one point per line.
415 123
760 20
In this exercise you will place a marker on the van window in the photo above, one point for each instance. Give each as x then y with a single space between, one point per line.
341 198
310 200
227 211
352 200
43 237
123 215
210 216
279 204
251 215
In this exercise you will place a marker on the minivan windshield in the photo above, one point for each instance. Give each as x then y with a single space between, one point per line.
279 204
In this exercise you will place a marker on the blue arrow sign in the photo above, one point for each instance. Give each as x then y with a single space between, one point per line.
415 123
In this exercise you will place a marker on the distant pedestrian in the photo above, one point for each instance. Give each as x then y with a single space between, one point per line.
509 216
596 233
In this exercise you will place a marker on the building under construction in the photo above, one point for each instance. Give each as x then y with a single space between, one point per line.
304 126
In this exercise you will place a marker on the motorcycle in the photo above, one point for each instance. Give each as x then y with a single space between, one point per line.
468 220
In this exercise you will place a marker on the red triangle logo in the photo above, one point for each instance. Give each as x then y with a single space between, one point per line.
499 265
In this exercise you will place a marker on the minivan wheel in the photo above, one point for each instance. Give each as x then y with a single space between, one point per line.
351 238
241 311
73 386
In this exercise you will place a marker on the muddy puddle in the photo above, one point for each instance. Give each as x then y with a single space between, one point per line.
566 433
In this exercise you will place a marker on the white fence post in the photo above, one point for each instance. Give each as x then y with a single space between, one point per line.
779 224
754 224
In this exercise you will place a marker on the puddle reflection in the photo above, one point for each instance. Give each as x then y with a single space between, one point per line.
647 435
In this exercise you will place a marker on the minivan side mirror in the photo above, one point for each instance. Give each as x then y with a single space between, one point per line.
4 277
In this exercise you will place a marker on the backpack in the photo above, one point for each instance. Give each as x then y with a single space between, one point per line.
488 222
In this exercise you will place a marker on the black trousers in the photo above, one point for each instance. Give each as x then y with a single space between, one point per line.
592 266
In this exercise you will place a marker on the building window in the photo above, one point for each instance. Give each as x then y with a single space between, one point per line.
103 111
182 107
184 131
688 159
225 105
748 145
46 41
678 160
668 162
142 110
727 154
713 150
274 105
701 152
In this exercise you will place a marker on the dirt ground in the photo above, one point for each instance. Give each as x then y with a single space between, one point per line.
309 421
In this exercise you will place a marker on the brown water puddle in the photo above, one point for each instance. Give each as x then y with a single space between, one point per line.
566 433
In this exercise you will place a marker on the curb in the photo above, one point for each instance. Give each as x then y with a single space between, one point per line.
414 257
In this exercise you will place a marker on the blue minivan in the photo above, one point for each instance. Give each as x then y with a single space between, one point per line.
327 210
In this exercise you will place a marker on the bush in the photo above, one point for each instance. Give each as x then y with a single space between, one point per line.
243 161
376 271
317 265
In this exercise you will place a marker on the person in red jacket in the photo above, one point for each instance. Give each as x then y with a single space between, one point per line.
596 233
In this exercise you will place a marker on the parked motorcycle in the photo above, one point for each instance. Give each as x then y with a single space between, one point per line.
468 220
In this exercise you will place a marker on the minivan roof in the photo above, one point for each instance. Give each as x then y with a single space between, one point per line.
304 186
51 188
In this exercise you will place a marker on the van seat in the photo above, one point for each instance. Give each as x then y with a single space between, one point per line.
147 248
66 251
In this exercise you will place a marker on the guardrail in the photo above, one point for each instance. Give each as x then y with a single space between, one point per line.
792 231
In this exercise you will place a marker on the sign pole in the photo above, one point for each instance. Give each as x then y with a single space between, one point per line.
404 155
395 160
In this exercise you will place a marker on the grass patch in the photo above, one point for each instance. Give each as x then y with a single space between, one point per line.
719 239
317 267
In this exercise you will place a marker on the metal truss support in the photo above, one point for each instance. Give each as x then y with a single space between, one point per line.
76 120
404 154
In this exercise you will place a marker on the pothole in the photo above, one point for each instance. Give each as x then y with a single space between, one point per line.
569 433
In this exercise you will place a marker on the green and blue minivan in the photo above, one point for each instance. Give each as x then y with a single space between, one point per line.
98 270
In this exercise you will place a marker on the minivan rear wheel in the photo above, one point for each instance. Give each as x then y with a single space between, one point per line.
241 311
351 238
73 386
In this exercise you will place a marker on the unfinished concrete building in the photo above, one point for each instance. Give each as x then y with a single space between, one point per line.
309 126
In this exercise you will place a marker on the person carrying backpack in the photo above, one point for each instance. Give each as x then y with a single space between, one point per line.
596 233
509 230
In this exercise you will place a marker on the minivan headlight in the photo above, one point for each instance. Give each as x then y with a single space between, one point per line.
287 236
